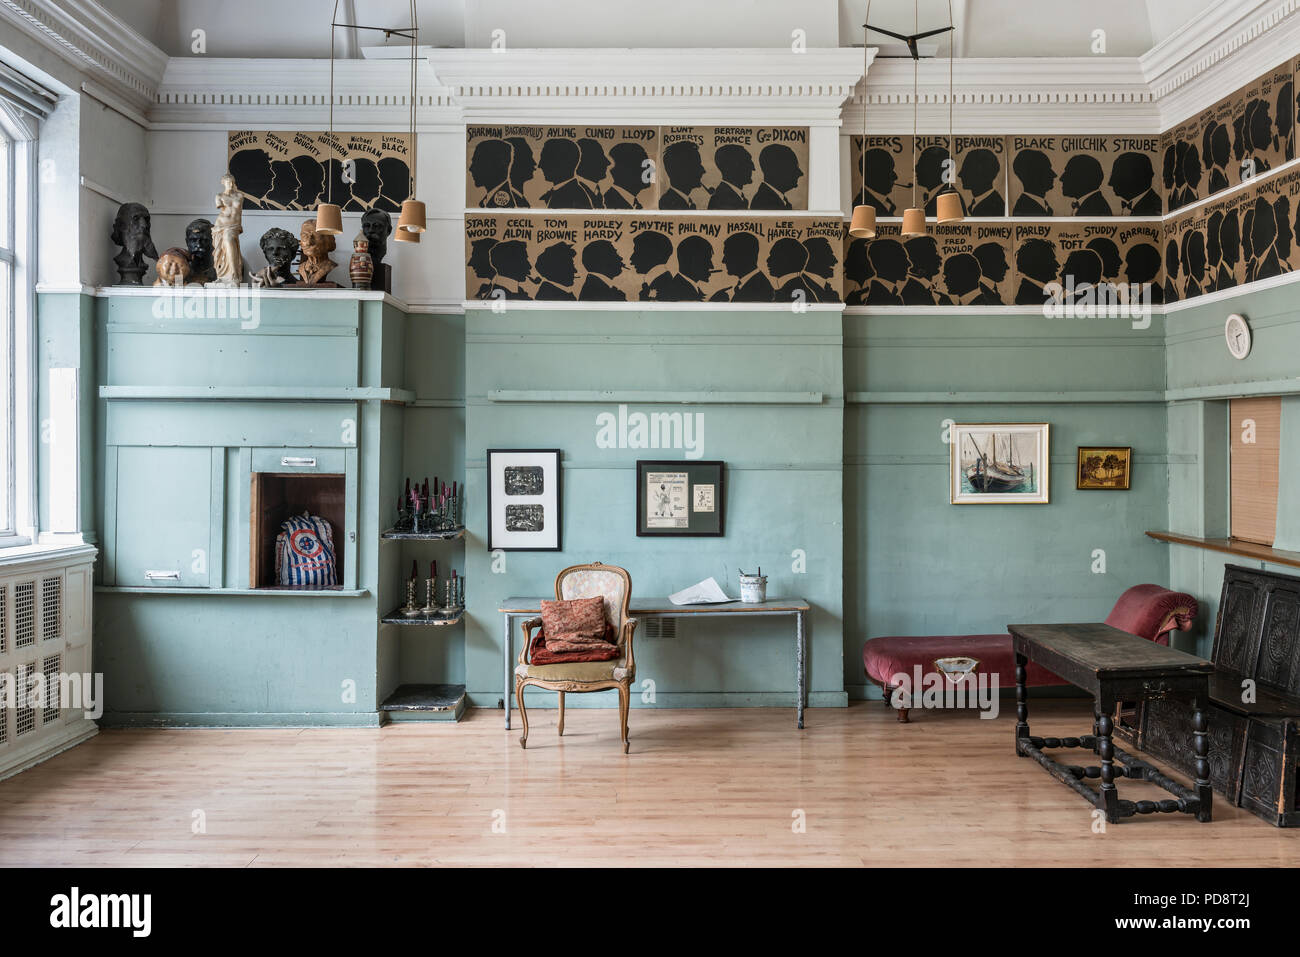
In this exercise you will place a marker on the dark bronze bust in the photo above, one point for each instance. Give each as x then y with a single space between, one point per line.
280 247
198 240
131 232
377 226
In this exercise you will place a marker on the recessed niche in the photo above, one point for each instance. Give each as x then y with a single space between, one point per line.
274 498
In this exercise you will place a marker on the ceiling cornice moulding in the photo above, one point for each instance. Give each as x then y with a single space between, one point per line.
83 33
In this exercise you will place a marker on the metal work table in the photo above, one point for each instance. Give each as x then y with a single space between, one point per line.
518 608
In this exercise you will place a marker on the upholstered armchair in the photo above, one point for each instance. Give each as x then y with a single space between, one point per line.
614 585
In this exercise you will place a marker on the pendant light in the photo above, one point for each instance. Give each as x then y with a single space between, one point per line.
329 217
411 220
947 206
863 223
914 216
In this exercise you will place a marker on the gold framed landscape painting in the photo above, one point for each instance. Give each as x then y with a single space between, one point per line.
1000 464
1105 467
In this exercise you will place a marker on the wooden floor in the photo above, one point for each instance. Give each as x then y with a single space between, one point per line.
700 787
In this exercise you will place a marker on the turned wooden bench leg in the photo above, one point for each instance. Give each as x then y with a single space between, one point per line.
1022 702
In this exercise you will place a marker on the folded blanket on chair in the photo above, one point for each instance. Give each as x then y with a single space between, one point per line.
542 654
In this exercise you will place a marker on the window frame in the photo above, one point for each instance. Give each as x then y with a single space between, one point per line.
19 132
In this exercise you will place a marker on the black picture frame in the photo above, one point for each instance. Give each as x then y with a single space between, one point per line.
493 543
699 524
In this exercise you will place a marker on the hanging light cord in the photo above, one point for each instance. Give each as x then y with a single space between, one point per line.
916 67
865 64
415 29
329 188
952 41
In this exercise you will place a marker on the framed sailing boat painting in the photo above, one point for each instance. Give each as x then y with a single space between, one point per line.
1000 464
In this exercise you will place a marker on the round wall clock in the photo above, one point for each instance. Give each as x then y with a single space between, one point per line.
1237 334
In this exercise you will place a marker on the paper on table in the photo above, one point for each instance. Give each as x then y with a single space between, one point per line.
707 592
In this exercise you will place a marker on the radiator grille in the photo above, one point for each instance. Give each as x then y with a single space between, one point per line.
24 614
50 669
6 703
661 628
4 619
25 714
51 608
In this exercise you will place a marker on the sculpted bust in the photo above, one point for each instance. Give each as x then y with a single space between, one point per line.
173 267
279 247
315 264
377 226
198 240
131 232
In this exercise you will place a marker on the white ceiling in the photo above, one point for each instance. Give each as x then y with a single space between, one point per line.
985 28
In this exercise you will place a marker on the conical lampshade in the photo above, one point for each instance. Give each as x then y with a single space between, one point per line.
914 222
329 219
405 236
863 224
412 217
948 208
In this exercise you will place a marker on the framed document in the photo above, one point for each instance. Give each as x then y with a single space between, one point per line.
679 498
523 500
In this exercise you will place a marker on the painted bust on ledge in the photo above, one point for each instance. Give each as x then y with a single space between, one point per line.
131 232
315 265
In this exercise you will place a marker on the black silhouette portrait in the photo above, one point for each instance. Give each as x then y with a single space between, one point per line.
131 232
1282 217
890 264
253 176
1213 250
931 165
1192 259
1131 176
480 261
1034 170
740 260
364 186
1260 139
394 184
961 277
510 270
1108 253
1084 267
1285 112
284 189
980 169
786 261
559 166
878 186
1265 260
1248 241
781 174
489 170
1170 174
684 170
857 271
628 175
1191 174
1229 251
1081 181
923 267
651 251
602 262
555 264
994 267
593 164
198 241
522 166
1216 150
694 268
311 181
1171 271
1036 265
1142 267
820 270
737 169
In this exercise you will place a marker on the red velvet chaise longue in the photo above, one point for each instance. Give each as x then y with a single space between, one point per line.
1148 611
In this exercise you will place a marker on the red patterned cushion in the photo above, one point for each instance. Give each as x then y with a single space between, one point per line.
576 621
539 654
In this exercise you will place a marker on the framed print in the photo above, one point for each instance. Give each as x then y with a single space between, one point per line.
999 464
679 498
524 499
1106 467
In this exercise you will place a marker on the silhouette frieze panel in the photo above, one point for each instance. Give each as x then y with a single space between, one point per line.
299 170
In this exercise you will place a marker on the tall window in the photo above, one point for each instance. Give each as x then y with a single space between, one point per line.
8 320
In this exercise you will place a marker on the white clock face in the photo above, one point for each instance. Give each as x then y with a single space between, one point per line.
1237 334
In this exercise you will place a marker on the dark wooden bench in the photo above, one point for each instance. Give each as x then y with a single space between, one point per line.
1254 700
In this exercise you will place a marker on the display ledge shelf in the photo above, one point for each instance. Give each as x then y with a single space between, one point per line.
1232 546
503 306
393 535
148 292
415 702
437 619
258 592
243 393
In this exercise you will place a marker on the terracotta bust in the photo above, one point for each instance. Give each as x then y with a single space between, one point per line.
173 267
315 264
